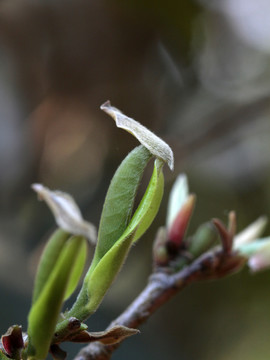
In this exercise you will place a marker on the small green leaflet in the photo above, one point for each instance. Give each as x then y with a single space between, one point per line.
48 259
148 208
119 202
77 269
45 311
106 271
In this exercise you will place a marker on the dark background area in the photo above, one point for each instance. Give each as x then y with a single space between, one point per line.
196 73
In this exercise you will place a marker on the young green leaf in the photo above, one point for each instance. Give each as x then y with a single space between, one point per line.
105 272
100 277
119 202
149 204
77 269
45 311
103 275
48 259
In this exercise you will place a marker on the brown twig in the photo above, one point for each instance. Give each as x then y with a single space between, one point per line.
160 288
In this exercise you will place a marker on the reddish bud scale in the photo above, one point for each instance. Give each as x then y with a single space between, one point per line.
177 230
12 341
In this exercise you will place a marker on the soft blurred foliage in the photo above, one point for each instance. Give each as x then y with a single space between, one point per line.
197 73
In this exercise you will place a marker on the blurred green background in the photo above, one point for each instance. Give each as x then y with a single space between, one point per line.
195 72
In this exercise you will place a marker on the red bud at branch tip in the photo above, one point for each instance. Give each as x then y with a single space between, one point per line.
177 230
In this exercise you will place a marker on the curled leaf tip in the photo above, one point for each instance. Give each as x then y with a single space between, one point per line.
153 143
66 212
106 105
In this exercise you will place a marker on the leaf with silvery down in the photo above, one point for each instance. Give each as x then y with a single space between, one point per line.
111 336
147 138
66 212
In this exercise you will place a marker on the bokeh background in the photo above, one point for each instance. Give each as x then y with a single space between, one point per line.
195 72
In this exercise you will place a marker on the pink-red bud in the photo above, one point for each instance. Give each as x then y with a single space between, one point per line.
177 230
